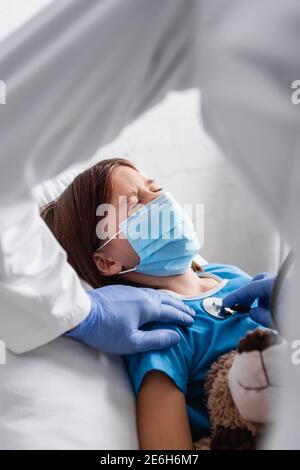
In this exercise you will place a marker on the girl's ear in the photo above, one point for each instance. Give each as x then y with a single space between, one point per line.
107 266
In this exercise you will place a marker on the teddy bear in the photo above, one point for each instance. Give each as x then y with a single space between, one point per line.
240 388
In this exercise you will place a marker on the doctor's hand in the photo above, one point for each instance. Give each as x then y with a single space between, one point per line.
119 311
260 287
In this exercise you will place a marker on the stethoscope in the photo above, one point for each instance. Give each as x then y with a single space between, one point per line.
213 305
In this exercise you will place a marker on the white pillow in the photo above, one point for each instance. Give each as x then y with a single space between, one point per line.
51 189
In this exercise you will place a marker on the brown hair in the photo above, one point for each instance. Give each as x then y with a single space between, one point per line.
72 219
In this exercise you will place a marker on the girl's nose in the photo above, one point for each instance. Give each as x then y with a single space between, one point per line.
149 196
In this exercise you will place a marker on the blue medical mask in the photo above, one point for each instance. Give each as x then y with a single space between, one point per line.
162 235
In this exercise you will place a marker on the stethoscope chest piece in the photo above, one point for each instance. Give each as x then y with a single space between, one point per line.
213 306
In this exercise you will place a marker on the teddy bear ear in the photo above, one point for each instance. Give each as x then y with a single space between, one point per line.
258 340
225 438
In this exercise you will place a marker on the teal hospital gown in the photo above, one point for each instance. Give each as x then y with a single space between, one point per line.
201 344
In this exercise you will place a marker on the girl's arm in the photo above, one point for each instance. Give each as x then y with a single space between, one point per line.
162 414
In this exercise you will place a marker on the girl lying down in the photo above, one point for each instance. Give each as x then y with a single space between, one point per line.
171 408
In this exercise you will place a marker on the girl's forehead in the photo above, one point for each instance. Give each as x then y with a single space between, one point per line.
126 172
124 177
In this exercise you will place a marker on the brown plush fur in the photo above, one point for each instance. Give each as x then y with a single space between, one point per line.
229 430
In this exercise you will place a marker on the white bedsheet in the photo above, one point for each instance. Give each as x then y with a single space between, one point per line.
65 395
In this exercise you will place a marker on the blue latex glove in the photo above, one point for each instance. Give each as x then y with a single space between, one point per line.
119 311
260 287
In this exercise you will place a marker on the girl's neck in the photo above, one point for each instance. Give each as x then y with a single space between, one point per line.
188 284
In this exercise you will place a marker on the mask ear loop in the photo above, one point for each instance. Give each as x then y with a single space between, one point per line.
127 270
109 240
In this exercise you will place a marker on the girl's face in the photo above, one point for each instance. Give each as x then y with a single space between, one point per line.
130 191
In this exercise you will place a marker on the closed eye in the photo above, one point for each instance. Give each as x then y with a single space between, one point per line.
157 190
153 186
